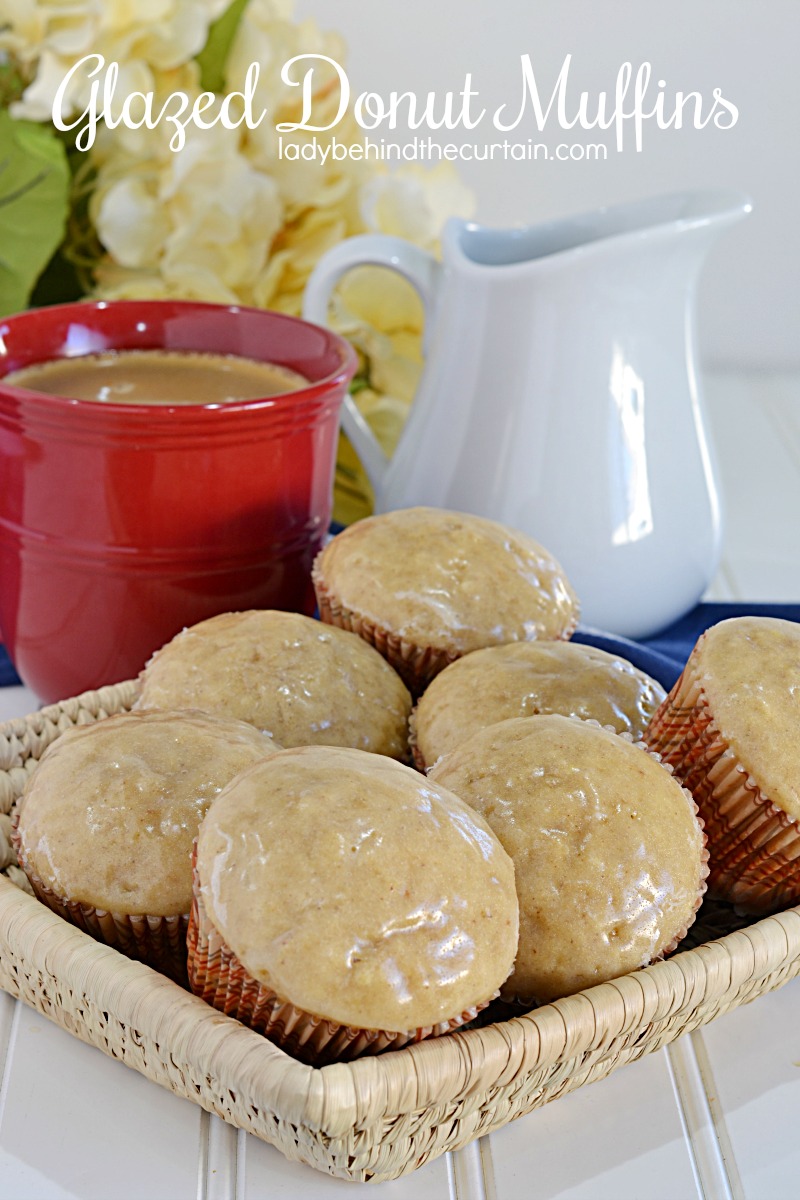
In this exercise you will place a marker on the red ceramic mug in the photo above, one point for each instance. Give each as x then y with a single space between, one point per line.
122 523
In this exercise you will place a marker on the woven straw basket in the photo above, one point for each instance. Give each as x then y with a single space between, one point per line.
376 1118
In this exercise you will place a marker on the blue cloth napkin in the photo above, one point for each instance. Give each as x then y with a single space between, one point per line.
661 656
664 655
8 676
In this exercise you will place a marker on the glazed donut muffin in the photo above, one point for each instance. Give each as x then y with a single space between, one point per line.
425 586
729 729
302 682
344 905
524 679
609 855
107 820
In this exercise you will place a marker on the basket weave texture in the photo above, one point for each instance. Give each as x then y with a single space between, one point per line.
376 1118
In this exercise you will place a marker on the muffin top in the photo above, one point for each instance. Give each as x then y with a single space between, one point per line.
110 813
749 668
608 852
448 580
524 679
397 893
292 677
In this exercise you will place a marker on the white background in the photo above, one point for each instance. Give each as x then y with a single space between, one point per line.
749 295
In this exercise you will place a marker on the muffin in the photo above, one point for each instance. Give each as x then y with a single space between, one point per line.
426 586
106 824
524 679
344 905
302 682
609 855
728 727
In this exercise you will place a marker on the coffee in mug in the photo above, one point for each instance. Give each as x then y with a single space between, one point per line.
158 377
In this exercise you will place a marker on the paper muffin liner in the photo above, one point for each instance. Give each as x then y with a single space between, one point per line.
417 757
415 664
219 977
158 941
754 844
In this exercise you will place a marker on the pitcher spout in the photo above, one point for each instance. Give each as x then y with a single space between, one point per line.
480 248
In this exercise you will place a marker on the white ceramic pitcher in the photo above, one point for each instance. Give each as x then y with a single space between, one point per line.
560 394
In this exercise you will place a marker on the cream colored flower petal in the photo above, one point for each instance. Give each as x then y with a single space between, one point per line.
383 298
131 224
159 34
398 373
113 282
36 102
391 368
180 33
386 416
270 282
413 203
193 281
73 35
24 27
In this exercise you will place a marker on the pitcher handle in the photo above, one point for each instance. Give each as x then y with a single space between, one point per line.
379 250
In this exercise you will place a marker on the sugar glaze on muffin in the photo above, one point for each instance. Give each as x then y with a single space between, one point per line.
109 815
302 682
524 679
394 889
608 851
427 585
106 824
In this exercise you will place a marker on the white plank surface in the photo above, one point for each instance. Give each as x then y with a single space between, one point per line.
754 1060
75 1123
264 1172
756 427
716 1119
574 1149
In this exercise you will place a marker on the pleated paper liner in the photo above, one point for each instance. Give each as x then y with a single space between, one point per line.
416 665
417 757
754 846
158 941
219 977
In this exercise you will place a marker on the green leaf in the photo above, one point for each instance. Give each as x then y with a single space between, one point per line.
34 199
214 55
12 80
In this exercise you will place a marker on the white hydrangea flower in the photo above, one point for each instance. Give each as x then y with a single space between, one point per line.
51 37
204 214
414 203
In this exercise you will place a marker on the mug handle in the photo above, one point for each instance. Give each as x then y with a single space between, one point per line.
379 250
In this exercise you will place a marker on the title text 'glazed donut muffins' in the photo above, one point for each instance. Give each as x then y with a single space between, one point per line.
344 905
425 586
608 851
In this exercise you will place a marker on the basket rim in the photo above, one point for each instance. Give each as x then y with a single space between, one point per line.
334 1098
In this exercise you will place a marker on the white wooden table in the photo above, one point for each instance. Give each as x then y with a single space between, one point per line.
713 1116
